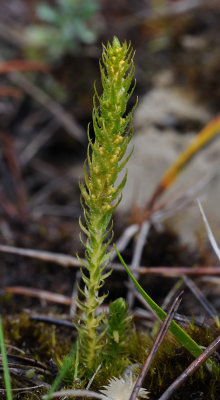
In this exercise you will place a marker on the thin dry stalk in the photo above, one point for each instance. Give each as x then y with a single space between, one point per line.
52 321
162 332
8 207
93 377
170 295
136 259
208 307
124 239
38 142
65 119
209 232
9 152
75 293
61 259
191 369
69 261
40 294
24 389
77 393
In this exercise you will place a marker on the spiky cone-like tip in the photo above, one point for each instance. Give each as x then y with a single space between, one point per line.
105 159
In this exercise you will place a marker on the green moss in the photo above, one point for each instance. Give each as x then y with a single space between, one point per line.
170 361
38 340
42 341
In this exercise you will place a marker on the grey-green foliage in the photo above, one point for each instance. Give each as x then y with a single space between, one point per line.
63 28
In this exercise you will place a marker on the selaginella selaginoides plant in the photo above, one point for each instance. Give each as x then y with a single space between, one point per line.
105 159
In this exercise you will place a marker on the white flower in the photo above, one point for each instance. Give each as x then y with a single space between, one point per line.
121 388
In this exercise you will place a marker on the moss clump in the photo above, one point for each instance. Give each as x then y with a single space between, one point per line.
37 339
172 359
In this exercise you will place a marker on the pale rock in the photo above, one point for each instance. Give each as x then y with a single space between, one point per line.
156 149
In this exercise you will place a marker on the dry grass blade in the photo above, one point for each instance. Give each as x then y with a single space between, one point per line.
204 136
209 232
24 389
40 294
136 259
124 239
162 332
171 294
22 65
183 201
93 377
78 393
62 259
191 369
208 307
179 271
69 261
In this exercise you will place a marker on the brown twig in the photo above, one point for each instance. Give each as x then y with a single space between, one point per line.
8 207
52 321
191 369
40 294
22 65
208 307
24 389
160 336
180 271
14 167
7 91
26 362
69 261
170 295
61 259
37 142
65 119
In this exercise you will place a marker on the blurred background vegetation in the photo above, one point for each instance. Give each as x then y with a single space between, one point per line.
50 53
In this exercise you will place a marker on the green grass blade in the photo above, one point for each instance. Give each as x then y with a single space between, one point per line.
76 361
65 367
5 364
176 330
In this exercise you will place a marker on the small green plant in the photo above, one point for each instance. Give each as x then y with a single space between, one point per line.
63 27
118 326
112 128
